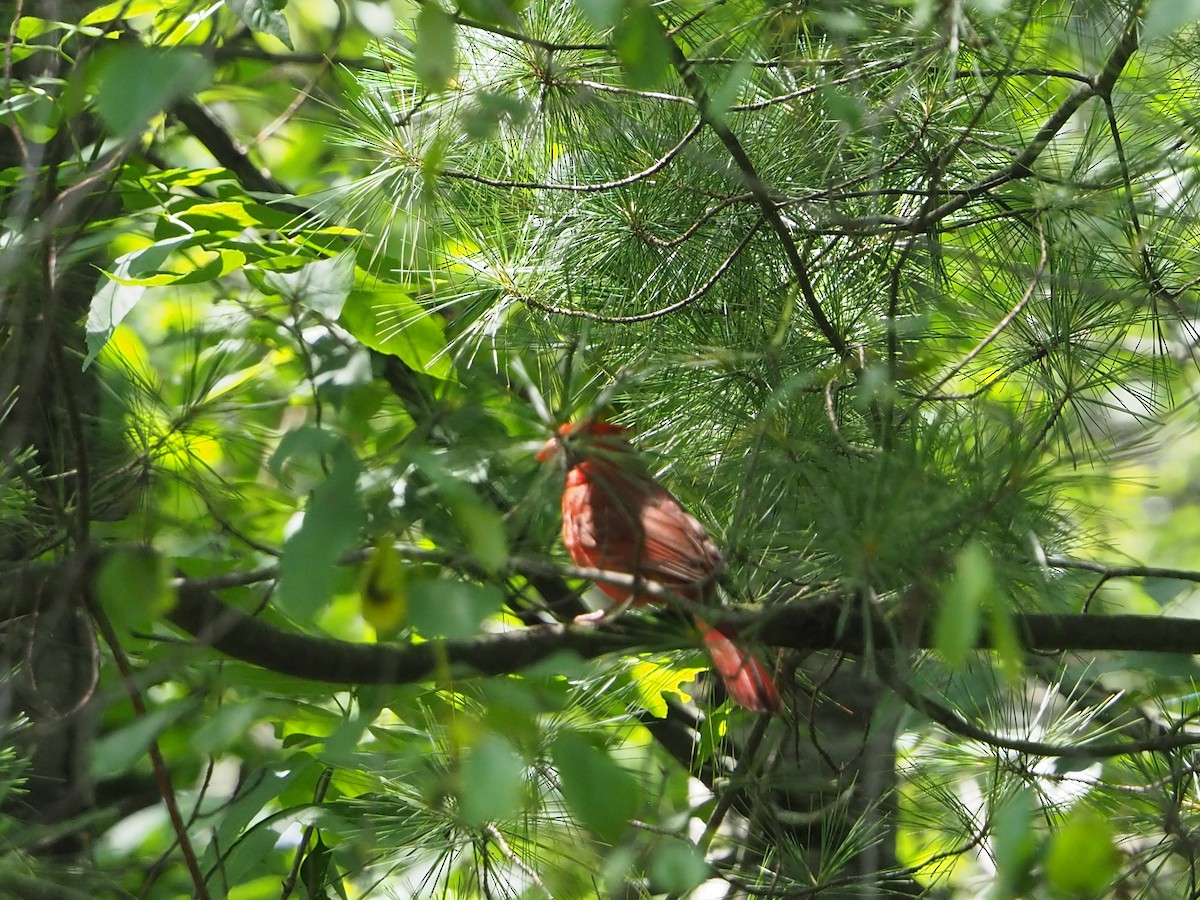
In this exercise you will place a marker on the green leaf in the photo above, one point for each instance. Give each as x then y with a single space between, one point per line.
227 215
264 16
1005 641
956 630
315 869
118 293
439 607
225 726
677 867
322 286
389 320
1082 858
300 442
641 47
1015 845
121 750
601 14
134 587
121 9
598 791
136 83
435 58
492 782
1167 16
495 12
331 524
847 108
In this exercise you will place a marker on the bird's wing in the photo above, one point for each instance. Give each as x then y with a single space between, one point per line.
618 521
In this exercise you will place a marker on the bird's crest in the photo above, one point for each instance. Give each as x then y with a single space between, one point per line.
592 433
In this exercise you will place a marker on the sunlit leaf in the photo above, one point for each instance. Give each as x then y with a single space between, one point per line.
137 83
383 589
265 16
133 585
1082 858
602 794
332 519
492 782
960 614
435 59
322 285
386 318
440 607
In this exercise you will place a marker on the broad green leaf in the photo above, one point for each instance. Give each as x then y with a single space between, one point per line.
264 16
481 525
641 47
435 58
112 302
133 585
676 867
119 751
123 9
308 443
439 607
492 782
246 857
226 725
1005 641
322 285
1082 858
315 870
496 12
847 108
1016 844
389 320
330 527
232 215
136 83
602 14
959 615
602 795
30 27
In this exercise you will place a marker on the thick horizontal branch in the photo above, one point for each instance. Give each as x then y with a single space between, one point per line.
810 625
821 623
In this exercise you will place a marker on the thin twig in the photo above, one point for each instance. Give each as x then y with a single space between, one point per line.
1007 320
953 722
1111 571
162 774
762 194
661 311
289 883
657 166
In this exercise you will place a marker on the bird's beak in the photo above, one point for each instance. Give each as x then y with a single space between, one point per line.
550 450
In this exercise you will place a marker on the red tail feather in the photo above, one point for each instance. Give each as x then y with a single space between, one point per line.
746 679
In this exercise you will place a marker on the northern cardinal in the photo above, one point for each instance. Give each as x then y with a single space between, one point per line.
616 517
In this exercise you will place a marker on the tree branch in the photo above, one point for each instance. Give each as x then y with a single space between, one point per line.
762 195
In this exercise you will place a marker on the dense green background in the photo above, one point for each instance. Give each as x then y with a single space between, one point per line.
898 298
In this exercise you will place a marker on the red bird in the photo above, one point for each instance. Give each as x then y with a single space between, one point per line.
616 517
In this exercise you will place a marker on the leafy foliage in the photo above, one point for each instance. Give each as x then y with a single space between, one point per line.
897 298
